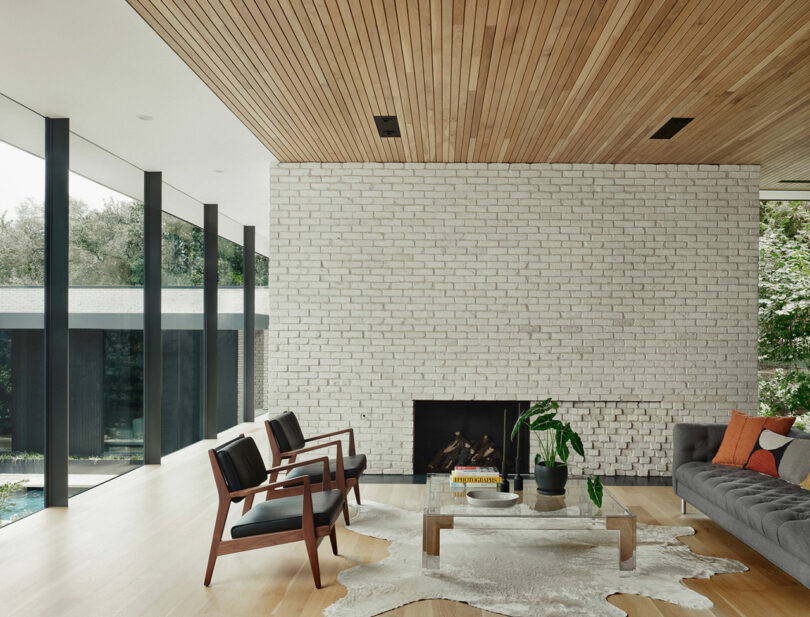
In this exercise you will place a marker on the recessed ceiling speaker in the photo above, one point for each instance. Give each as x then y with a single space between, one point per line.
671 128
387 126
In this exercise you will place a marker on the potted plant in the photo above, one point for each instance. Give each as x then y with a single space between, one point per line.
556 440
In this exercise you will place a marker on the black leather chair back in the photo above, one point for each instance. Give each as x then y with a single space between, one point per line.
287 431
241 464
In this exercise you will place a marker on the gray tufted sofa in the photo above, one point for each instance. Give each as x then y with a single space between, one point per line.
770 515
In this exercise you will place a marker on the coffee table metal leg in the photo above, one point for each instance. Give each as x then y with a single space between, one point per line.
626 526
431 527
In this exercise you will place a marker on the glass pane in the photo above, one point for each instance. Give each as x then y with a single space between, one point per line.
182 255
22 302
230 336
262 324
106 333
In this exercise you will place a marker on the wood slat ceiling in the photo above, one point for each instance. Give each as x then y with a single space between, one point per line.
508 80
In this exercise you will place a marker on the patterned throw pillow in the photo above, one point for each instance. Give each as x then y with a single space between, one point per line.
782 457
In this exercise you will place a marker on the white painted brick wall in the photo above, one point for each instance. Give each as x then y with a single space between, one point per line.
629 292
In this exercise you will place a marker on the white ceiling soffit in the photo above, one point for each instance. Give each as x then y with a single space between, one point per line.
99 64
785 195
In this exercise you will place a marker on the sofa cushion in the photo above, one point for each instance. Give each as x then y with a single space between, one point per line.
781 456
774 508
741 436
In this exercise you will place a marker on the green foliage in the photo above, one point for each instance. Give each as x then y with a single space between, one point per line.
595 491
553 436
784 308
7 492
106 248
784 282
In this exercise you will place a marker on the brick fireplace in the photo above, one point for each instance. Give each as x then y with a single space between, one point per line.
627 292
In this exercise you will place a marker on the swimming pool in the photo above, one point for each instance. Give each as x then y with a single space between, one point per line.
25 502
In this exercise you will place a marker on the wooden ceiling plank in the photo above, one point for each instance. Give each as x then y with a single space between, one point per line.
388 30
509 99
700 63
483 37
588 79
457 50
390 103
399 16
594 28
232 25
512 47
616 66
316 15
468 31
559 11
507 80
363 55
658 34
436 73
575 20
341 47
312 65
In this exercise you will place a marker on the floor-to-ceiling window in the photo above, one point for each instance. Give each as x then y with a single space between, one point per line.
182 322
22 402
230 325
105 261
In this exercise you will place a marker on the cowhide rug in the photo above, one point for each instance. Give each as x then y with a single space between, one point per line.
520 572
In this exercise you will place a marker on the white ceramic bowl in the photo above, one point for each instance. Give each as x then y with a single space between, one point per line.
488 498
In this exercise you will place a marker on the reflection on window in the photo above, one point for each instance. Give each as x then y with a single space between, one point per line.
106 334
230 335
182 322
22 302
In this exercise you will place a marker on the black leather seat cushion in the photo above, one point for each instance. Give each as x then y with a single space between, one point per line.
284 514
353 466
241 464
287 431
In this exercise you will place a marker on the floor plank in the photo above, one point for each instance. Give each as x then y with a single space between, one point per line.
138 546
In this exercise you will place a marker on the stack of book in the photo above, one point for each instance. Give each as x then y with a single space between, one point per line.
470 477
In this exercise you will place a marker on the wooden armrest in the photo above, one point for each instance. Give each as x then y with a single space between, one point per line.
340 473
303 480
327 475
350 431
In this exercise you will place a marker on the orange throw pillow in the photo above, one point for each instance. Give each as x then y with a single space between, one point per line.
741 436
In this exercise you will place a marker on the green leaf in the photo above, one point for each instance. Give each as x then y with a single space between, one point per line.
576 443
595 491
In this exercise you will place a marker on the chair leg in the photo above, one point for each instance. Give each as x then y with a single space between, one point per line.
333 540
312 550
346 511
219 527
357 491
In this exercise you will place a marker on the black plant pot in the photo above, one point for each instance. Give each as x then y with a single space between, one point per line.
550 480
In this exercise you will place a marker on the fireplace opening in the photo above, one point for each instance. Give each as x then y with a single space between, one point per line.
441 429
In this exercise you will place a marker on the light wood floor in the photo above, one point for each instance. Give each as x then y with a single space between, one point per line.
138 546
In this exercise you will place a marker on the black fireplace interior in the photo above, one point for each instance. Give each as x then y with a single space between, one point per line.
436 422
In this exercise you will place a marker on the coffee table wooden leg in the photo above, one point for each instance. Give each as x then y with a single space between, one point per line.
431 527
626 526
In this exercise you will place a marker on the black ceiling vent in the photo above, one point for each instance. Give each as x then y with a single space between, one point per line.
671 128
794 182
387 126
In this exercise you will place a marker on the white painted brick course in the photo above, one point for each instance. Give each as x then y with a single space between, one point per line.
628 292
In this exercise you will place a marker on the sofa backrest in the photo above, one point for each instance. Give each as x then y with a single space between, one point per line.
797 433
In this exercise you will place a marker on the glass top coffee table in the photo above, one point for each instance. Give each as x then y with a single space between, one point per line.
444 505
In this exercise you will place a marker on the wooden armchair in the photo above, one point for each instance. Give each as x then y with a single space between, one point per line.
296 508
287 442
